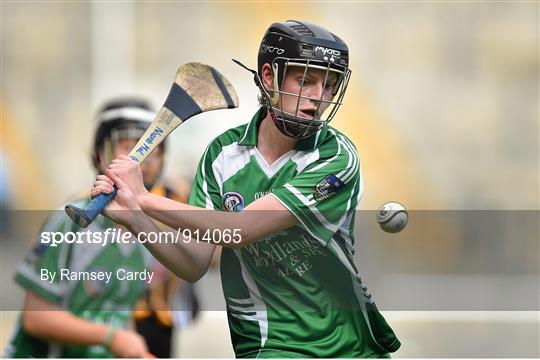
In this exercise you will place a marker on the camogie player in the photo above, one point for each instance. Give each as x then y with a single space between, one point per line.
89 318
280 195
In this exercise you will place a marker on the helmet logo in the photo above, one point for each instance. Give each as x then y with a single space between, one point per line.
271 49
326 51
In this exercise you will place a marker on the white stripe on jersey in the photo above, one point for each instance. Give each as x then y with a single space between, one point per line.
247 318
356 279
245 132
344 230
305 227
241 301
310 204
359 289
209 203
234 157
323 164
304 159
246 311
347 175
349 171
261 315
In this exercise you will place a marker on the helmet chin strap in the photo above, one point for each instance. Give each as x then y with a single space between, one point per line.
275 96
270 100
256 77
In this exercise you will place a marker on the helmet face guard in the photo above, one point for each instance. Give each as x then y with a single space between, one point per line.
127 129
125 122
296 123
120 119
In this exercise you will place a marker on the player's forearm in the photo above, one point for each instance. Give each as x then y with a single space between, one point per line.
251 224
196 220
62 327
183 259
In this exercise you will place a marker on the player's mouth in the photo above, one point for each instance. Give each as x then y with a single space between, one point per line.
308 113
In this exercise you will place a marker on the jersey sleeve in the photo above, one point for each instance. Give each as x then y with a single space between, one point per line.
205 192
34 272
324 194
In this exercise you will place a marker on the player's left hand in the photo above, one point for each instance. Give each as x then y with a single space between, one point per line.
129 172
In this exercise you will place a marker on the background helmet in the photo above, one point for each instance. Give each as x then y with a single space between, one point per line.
295 43
120 118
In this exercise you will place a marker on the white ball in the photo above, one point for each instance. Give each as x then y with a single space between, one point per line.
392 217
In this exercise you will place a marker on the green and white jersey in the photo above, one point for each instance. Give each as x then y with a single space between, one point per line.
296 293
109 301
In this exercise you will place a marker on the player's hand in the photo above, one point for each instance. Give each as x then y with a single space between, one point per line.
130 173
124 208
128 344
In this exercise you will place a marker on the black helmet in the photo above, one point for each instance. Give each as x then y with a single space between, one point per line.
302 40
118 119
304 45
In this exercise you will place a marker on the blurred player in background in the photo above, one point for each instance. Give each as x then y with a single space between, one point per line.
89 318
291 185
123 123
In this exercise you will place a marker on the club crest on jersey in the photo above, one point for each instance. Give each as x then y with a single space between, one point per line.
327 187
233 202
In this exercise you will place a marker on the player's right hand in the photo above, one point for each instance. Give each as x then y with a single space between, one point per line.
124 207
128 344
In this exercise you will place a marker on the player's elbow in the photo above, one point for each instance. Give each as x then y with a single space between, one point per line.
192 276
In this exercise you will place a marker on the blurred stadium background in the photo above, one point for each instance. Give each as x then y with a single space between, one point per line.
442 106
